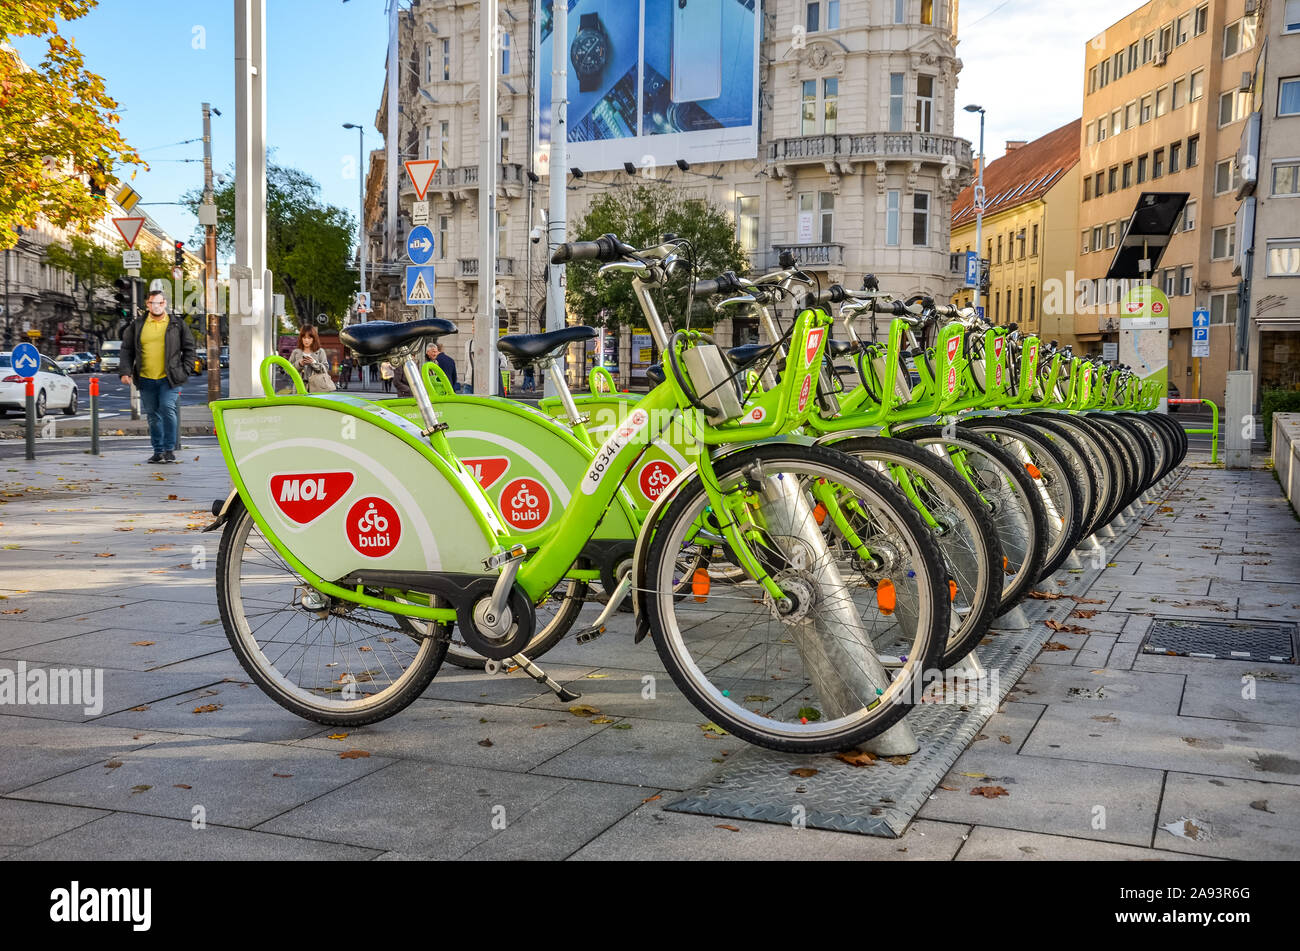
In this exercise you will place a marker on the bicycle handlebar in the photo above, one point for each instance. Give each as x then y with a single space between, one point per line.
605 248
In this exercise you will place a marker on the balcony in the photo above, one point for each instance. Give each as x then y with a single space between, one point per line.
848 149
467 268
811 255
450 181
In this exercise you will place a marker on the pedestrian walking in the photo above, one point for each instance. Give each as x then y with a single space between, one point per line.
386 374
157 353
446 363
530 380
312 361
345 370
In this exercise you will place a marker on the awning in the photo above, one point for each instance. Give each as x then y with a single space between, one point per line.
1147 234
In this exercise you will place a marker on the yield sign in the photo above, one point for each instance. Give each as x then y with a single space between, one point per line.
129 229
421 172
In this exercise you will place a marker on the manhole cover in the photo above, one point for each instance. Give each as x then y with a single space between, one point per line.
1222 640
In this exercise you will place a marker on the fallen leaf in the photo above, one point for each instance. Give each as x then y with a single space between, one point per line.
1105 718
757 698
283 775
181 786
208 708
989 792
596 676
584 710
1004 739
975 775
652 799
803 772
712 729
538 726
1054 646
337 736
142 708
365 648
857 758
486 742
1080 612
105 554
1261 805
898 760
810 713
124 529
143 643
602 720
113 764
727 827
1044 595
1078 600
171 498
354 754
949 788
1165 508
140 789
621 726
14 611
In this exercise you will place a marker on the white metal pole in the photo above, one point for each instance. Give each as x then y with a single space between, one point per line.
979 224
559 170
393 146
361 204
485 330
248 336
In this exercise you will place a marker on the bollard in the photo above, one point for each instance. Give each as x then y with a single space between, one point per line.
94 416
31 417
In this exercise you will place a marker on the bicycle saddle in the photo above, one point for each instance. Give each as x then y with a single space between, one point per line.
378 337
655 374
523 349
748 354
838 348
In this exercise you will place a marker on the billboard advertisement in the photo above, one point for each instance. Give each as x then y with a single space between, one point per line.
652 81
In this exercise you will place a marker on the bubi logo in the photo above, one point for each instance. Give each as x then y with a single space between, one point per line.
952 380
655 478
488 471
525 504
803 393
305 496
813 341
373 527
755 415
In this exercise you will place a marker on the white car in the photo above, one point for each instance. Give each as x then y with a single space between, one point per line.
70 363
54 388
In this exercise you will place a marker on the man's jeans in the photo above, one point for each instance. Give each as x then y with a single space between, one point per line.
161 404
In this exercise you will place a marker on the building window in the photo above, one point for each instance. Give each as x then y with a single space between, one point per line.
830 104
1202 19
1142 169
427 143
1020 305
1288 97
1179 96
1169 279
1092 134
428 62
1098 236
1157 163
1148 48
1238 36
826 210
1020 244
891 218
812 21
895 102
820 116
1286 177
444 228
1221 243
1175 157
1198 85
1128 175
1033 305
503 136
1182 32
1185 280
446 60
444 135
1162 101
1105 73
927 12
921 219
1193 150
1166 38
820 218
1130 115
1033 247
1233 105
1110 236
1132 62
1145 115
501 234
1103 129
1284 258
1189 216
809 107
996 299
1086 244
1116 122
1223 308
900 11
1008 305
1112 179
924 103
1223 176
747 222
1291 17
1092 80
505 54
1101 184
1087 188
999 258
1117 65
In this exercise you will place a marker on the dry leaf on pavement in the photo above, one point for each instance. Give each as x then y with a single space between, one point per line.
803 772
989 792
354 754
857 758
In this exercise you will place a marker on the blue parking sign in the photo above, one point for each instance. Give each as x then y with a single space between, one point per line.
972 269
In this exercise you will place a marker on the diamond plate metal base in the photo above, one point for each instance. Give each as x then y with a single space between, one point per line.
1222 640
881 799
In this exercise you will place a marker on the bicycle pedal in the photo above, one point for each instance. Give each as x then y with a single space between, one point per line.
590 634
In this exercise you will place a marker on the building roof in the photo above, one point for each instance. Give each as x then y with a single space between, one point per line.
1022 175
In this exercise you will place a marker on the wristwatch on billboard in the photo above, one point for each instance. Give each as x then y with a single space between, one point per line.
589 52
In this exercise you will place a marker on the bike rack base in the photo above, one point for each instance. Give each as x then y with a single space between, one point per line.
881 799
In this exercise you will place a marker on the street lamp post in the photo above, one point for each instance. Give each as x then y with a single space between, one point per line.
979 211
361 198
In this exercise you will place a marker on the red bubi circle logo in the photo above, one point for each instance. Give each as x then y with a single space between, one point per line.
525 504
804 392
373 527
655 477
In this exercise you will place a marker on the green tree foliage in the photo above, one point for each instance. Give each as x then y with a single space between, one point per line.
308 243
640 215
58 134
96 268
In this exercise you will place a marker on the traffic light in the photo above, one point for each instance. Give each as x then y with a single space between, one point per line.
122 298
180 253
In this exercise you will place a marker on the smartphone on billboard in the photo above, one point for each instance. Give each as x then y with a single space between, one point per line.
697 50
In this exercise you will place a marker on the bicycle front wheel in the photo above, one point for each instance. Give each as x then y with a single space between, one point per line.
843 656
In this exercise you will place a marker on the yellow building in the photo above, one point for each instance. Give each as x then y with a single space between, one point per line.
1030 223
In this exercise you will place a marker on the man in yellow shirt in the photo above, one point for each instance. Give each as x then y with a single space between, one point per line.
157 352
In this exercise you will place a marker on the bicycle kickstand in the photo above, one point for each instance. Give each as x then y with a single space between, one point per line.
532 670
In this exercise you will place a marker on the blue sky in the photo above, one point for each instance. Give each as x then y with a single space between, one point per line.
1023 61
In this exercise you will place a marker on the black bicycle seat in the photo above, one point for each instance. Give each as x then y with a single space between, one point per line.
655 374
523 349
839 348
378 337
748 354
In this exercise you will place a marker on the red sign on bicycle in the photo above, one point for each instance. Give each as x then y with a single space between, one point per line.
525 504
655 478
373 527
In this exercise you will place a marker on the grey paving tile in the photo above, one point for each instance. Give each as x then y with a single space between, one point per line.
33 749
42 606
988 844
652 834
1101 690
124 837
1010 725
244 713
1054 656
475 686
1225 695
426 810
1174 605
16 635
116 648
156 617
121 690
235 783
27 823
1230 818
620 692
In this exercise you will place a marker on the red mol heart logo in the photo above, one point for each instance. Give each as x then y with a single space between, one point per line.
525 504
998 344
305 496
488 470
813 341
373 527
953 346
655 478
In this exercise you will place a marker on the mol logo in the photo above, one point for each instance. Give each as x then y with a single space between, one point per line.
373 527
998 344
305 496
655 477
954 344
487 472
525 504
813 341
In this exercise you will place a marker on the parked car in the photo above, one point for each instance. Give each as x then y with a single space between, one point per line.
90 362
200 362
54 388
225 357
110 355
71 363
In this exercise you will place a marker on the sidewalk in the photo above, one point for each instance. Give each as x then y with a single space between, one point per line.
1102 750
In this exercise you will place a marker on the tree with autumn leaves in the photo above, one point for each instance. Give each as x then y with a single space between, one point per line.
59 141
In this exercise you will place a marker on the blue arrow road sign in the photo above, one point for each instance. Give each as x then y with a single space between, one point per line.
419 284
1201 318
26 359
972 268
419 245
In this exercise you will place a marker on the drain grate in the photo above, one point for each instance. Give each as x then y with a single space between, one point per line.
1223 640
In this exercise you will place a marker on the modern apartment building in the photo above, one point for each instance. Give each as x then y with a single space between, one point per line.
1030 227
1268 221
856 167
1163 111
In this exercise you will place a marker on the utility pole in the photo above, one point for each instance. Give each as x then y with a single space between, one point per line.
485 331
208 218
559 170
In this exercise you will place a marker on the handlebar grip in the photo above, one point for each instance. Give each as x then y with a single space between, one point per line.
722 284
835 294
605 248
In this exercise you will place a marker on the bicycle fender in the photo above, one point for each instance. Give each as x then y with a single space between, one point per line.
223 510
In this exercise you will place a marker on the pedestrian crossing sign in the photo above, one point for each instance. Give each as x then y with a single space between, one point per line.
419 284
